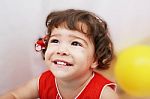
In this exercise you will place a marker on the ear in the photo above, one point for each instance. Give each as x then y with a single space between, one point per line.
95 64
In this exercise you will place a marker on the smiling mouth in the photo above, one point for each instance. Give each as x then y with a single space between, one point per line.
63 63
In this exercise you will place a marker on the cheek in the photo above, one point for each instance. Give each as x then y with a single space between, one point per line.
82 55
48 54
88 56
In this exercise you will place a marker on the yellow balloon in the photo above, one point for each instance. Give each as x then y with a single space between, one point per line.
132 70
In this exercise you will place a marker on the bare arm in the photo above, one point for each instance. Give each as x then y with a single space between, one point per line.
109 93
28 91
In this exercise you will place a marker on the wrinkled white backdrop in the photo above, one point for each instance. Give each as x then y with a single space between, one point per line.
22 22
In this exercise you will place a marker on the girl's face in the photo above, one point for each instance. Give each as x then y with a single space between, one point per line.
70 54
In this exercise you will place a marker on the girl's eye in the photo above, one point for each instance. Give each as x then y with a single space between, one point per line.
75 43
54 41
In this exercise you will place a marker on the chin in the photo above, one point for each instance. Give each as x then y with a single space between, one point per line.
61 74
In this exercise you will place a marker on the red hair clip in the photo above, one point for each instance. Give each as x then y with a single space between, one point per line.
41 44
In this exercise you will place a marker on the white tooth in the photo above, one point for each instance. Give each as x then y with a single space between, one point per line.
61 63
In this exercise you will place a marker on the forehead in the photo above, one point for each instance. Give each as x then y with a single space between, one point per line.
61 31
77 26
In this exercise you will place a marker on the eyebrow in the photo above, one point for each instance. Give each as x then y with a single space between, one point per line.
80 38
71 36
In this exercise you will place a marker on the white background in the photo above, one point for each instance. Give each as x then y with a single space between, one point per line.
23 21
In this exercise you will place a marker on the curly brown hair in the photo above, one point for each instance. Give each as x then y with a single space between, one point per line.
97 31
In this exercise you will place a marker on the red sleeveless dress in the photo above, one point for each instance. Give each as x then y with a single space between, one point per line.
48 89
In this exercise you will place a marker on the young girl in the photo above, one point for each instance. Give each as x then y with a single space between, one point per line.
77 42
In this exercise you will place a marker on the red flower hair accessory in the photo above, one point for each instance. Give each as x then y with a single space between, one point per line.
41 44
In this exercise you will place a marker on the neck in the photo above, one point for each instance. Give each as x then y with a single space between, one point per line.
71 88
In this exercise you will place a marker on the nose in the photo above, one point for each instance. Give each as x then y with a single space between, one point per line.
63 50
